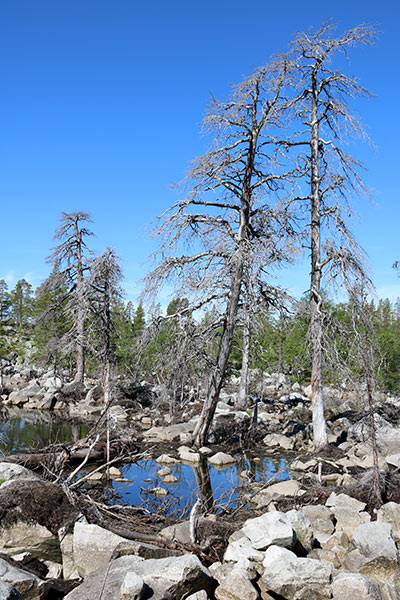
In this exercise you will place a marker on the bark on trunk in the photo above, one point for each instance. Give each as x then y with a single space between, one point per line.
215 384
244 373
317 403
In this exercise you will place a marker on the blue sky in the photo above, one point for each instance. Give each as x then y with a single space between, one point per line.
101 107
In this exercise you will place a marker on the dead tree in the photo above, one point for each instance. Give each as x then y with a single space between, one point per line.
72 257
230 212
321 103
101 288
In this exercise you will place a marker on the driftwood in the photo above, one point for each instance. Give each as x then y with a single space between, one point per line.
36 459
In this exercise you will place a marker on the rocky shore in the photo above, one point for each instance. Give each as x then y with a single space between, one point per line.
316 536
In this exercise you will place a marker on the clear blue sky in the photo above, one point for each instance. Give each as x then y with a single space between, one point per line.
101 103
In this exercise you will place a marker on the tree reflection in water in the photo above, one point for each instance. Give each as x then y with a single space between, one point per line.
27 430
218 489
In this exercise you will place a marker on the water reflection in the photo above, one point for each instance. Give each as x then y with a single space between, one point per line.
216 488
35 430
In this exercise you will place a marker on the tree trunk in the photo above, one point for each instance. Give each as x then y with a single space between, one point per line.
215 384
80 318
317 403
244 373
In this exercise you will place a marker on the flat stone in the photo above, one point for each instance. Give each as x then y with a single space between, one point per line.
164 472
344 501
170 480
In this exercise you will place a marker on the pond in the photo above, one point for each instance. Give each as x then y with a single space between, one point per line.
21 429
219 489
141 483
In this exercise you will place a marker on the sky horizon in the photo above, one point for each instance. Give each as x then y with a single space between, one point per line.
102 106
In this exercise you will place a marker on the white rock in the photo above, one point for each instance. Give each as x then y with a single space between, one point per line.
188 455
132 587
374 540
355 586
220 459
269 529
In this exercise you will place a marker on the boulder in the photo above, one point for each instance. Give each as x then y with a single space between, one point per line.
344 501
31 513
277 440
277 553
297 579
132 587
321 519
220 459
348 520
356 586
276 491
302 528
9 592
165 459
390 513
269 529
374 541
10 471
188 455
242 548
169 433
167 578
94 546
236 585
28 585
30 537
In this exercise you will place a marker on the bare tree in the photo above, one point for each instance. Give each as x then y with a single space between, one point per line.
101 288
72 257
322 105
231 211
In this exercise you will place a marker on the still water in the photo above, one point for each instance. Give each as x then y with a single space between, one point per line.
36 430
218 489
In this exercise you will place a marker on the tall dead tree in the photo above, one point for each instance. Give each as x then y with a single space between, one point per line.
322 100
102 287
71 255
230 212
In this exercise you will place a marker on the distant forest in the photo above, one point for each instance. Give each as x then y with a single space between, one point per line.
179 350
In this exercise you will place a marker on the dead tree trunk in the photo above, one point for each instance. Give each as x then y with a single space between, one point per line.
317 402
244 373
200 433
80 317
